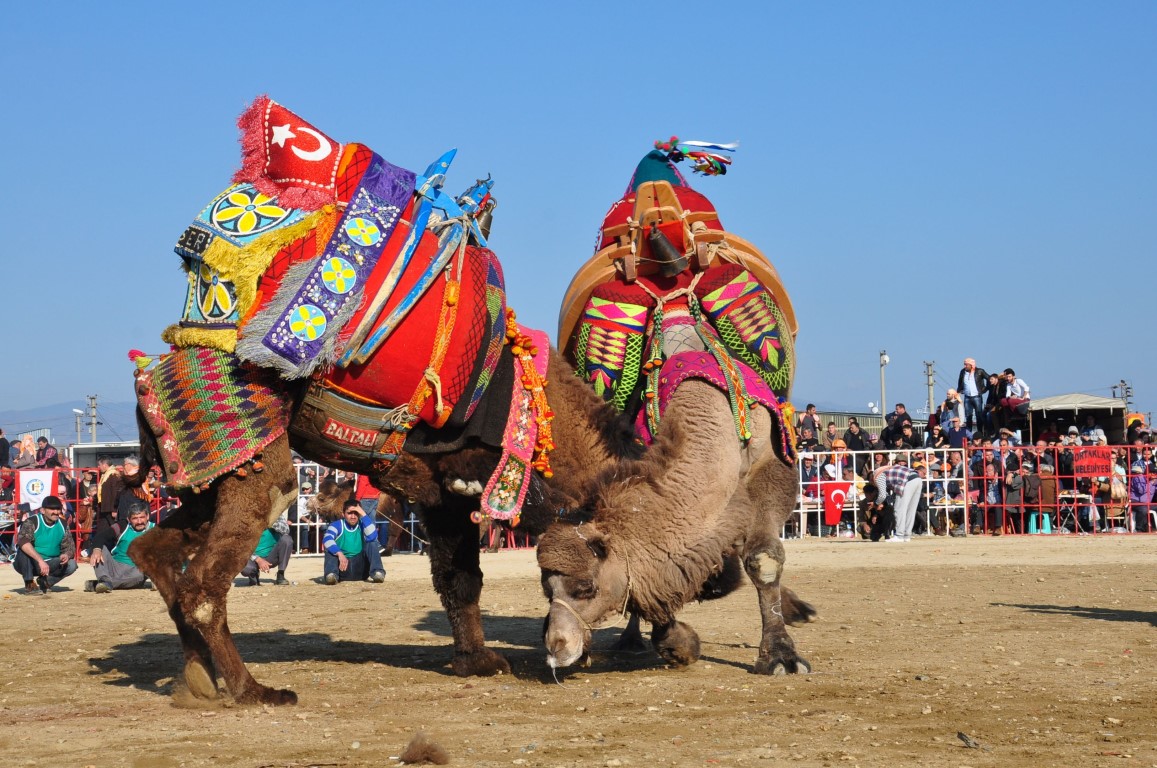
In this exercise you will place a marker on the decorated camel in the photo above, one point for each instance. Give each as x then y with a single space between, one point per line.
688 327
349 308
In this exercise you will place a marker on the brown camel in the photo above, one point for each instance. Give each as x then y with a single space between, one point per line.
194 554
670 523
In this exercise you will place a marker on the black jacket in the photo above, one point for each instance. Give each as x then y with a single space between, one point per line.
981 382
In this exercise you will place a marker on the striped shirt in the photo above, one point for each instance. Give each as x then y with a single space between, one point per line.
895 478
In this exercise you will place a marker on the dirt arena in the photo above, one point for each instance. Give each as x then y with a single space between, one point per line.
1040 650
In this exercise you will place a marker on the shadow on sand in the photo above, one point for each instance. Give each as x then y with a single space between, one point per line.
1085 612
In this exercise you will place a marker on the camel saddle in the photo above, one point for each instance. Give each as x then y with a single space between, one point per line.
325 264
664 252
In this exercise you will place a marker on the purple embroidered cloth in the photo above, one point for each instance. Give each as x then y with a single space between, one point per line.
337 281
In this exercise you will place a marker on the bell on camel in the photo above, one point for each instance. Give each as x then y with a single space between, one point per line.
486 217
671 262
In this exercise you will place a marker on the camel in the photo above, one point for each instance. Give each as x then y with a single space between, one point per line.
664 526
718 484
348 309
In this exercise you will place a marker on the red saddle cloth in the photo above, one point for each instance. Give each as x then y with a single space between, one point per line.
391 375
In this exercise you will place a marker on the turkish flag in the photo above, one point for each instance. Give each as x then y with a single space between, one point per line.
834 495
296 152
286 157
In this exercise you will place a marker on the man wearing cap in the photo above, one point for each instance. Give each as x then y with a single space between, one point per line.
110 554
971 385
904 483
45 552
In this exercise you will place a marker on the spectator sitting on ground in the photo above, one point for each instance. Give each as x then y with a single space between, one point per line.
273 549
351 547
46 553
110 558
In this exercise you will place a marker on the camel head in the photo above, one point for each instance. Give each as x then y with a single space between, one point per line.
585 581
327 504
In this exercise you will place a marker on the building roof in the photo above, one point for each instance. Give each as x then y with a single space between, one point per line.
1077 401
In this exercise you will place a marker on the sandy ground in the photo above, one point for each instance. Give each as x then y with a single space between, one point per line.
1041 650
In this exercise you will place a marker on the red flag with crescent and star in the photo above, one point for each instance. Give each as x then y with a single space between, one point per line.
834 495
286 157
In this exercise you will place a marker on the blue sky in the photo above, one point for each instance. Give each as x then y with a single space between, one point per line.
934 179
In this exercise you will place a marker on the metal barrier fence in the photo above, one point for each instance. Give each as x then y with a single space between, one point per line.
990 489
77 489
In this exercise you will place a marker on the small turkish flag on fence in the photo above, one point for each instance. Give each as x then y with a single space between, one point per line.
834 495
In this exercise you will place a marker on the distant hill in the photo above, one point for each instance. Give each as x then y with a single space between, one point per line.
118 422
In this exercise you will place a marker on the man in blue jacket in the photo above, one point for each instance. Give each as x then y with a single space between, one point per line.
351 547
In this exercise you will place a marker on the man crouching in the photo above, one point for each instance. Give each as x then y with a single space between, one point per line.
351 547
45 551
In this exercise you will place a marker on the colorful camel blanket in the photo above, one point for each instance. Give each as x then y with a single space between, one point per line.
612 334
703 365
210 413
323 260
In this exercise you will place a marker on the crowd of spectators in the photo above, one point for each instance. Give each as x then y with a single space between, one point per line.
970 456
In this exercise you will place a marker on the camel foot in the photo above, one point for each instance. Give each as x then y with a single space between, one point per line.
787 664
200 681
261 694
678 644
631 640
482 663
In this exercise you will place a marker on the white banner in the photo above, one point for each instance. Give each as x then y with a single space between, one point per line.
32 485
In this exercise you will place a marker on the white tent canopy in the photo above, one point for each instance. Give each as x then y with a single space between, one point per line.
1076 402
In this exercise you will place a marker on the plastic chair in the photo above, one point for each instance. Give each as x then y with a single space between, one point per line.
1119 511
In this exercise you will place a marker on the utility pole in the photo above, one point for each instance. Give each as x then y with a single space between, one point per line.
92 415
929 373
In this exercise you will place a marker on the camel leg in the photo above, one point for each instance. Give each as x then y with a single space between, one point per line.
243 507
454 565
161 555
770 487
631 640
676 642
